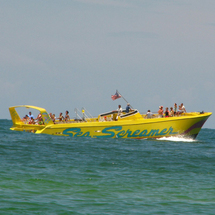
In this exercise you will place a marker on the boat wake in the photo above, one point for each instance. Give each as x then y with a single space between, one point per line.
177 139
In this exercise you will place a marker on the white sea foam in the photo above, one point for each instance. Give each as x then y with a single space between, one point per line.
177 139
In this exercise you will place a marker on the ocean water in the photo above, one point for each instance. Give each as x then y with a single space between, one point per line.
42 174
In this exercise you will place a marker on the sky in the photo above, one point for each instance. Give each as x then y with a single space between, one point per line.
62 55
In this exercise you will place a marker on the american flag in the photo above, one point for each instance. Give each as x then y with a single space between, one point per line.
116 96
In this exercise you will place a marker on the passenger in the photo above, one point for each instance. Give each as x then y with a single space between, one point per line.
30 115
172 112
149 115
39 116
183 108
52 116
160 111
40 121
180 110
119 112
31 121
166 113
61 118
67 118
128 108
175 109
25 119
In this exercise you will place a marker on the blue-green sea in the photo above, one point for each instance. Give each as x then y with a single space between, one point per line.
42 174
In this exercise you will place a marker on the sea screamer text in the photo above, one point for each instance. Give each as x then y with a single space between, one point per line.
117 131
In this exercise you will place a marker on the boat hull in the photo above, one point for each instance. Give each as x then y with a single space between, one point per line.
129 125
145 128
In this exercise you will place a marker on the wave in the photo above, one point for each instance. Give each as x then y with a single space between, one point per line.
177 139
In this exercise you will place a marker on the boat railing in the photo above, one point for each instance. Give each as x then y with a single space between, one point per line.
156 115
88 113
83 115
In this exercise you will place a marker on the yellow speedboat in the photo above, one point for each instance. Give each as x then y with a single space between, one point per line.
106 125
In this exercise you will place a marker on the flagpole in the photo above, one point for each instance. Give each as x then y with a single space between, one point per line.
124 98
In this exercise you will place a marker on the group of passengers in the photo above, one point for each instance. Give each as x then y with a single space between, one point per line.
29 119
173 111
120 110
65 118
61 118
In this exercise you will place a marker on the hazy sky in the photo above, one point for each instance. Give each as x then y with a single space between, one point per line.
68 54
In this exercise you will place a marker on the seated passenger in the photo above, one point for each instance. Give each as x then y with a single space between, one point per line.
149 115
31 121
25 119
52 116
39 116
180 110
166 113
128 108
160 111
61 118
40 121
30 115
67 118
183 108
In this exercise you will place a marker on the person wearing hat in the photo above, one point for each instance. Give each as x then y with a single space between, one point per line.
128 108
160 111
